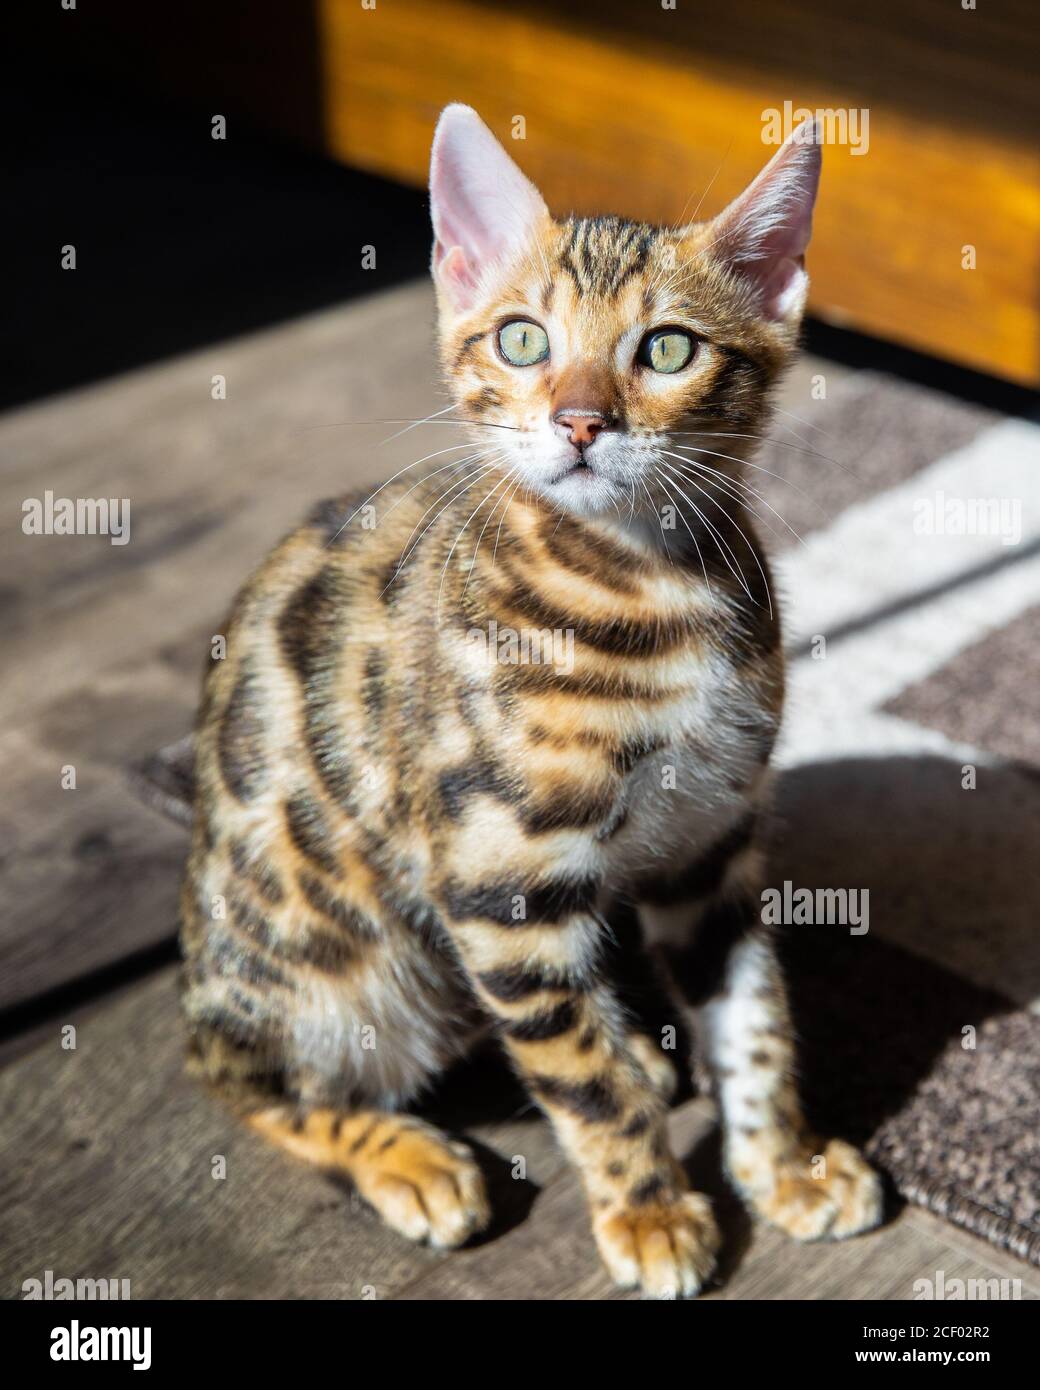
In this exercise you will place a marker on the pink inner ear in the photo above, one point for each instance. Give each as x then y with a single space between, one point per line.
454 272
483 208
780 286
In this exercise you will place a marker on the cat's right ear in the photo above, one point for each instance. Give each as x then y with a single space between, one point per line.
484 210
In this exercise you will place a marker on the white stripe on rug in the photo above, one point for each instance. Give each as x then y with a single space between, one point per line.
956 857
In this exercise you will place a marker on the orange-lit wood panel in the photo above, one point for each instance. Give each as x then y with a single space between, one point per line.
654 112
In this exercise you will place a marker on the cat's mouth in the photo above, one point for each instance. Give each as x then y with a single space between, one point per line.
585 481
580 466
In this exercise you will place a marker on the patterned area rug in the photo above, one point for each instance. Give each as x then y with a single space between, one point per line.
909 772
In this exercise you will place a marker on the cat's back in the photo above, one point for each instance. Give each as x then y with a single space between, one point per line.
302 915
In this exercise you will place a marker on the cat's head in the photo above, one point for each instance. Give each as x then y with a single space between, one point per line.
584 347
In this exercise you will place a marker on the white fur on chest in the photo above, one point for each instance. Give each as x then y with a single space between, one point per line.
680 799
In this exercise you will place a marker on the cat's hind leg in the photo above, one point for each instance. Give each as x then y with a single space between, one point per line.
422 1183
319 1028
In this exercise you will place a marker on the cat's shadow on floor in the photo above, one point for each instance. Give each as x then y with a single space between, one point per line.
954 891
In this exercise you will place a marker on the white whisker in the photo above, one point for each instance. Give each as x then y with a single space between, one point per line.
451 552
707 468
450 493
767 439
807 423
413 424
740 533
722 545
490 516
498 533
436 454
700 557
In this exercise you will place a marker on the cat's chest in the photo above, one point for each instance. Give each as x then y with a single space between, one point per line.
696 777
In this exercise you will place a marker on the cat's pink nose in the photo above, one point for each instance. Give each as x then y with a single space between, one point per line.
582 426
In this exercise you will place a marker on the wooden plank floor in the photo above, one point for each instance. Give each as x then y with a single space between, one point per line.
107 1154
121 1185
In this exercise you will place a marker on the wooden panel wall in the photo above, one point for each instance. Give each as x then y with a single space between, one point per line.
651 111
635 108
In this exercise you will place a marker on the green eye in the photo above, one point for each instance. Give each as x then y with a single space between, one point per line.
523 343
667 350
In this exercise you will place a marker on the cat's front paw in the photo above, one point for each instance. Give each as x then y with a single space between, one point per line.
425 1186
666 1249
828 1195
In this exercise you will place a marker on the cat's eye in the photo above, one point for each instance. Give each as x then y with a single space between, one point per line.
523 343
667 350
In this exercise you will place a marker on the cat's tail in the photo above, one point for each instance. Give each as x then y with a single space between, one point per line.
422 1183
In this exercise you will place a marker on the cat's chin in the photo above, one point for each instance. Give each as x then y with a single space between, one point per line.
584 491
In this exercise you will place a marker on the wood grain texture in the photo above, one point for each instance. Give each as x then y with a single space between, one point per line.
120 1179
88 875
107 1157
212 485
105 644
657 113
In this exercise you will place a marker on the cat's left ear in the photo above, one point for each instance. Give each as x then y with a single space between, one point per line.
764 233
484 210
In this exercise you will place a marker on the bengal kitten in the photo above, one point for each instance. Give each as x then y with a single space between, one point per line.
458 721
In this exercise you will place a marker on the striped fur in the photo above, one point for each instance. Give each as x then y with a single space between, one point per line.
403 842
